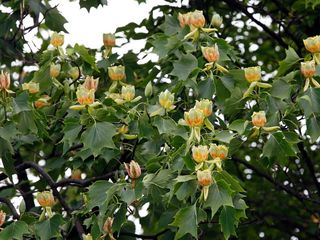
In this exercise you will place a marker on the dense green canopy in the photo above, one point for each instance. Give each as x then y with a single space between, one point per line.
219 151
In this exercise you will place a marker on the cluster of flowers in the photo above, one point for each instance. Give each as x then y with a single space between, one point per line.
308 68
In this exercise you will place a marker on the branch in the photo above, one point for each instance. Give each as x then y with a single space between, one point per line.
310 166
12 208
298 196
153 237
238 6
56 193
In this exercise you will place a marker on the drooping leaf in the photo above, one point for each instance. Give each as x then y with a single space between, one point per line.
16 230
49 228
55 21
291 59
98 136
186 220
227 221
184 66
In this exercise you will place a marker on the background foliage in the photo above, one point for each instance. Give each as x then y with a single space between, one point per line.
269 186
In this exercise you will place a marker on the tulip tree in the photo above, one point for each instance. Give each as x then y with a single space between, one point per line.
195 145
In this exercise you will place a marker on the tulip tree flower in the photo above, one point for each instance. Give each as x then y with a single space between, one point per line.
204 180
253 76
308 70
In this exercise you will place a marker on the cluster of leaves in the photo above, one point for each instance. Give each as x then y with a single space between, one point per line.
54 138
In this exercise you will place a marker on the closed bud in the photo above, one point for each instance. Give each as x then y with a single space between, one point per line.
197 19
216 20
312 44
2 217
166 100
57 40
117 73
204 177
87 237
109 40
218 151
74 73
200 153
184 19
107 226
133 169
252 74
148 90
76 174
90 83
308 68
4 81
123 129
55 70
205 105
259 119
32 87
211 54
128 92
45 199
42 102
85 96
194 118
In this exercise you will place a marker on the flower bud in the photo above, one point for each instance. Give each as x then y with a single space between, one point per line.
216 20
148 90
252 74
45 199
133 169
2 217
184 19
85 96
76 174
87 237
197 19
312 44
128 92
205 105
166 100
200 153
123 129
42 102
90 83
57 40
204 177
211 54
109 40
308 68
74 73
117 73
55 70
218 151
107 226
4 81
259 119
194 118
32 87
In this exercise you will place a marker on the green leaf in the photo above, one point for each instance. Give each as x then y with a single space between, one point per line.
97 193
229 179
185 178
186 220
98 136
184 66
8 131
220 194
285 65
239 126
313 127
206 88
16 230
49 228
168 126
20 103
280 89
161 179
277 148
120 217
187 189
84 54
55 21
224 136
227 221
310 101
